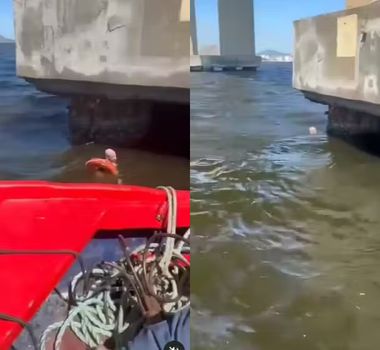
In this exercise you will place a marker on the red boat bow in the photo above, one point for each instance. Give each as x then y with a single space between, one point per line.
45 216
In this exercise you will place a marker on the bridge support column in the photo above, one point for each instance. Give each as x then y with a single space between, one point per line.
236 36
236 28
336 63
359 128
195 59
105 121
193 34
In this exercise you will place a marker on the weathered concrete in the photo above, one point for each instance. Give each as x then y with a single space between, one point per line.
237 39
130 48
225 63
357 3
348 123
116 122
336 62
236 27
193 34
358 128
336 59
144 124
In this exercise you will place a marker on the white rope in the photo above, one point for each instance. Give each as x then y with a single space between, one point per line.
94 318
171 251
45 336
88 322
180 244
171 228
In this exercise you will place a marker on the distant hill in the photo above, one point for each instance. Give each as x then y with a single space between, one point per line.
272 53
275 56
4 40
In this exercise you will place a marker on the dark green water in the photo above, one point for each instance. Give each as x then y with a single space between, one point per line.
35 140
286 226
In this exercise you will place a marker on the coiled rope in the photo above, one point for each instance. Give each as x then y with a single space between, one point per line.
92 319
112 292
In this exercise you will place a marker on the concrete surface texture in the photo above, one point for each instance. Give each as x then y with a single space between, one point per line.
357 3
336 59
358 128
132 43
350 124
110 122
193 36
236 27
215 62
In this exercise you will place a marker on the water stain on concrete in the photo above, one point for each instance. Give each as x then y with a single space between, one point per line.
32 32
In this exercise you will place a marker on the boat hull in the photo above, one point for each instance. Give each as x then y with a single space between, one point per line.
61 219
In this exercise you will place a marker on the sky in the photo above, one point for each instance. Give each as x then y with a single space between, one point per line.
273 20
6 19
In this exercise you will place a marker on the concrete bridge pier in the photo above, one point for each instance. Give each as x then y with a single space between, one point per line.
111 122
336 63
236 38
193 33
118 61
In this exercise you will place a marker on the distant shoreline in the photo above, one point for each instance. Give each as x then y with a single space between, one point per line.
290 62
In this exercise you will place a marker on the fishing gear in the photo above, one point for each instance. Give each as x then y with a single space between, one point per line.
114 298
146 284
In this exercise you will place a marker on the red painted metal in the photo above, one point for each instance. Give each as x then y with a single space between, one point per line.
46 216
99 164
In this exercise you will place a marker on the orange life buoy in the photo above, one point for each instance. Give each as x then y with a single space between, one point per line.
103 165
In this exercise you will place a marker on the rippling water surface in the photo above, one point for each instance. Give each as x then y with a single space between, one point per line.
286 226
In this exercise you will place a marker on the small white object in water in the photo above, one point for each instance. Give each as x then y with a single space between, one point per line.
111 155
312 130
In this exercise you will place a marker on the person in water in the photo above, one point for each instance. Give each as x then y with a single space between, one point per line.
102 167
159 331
